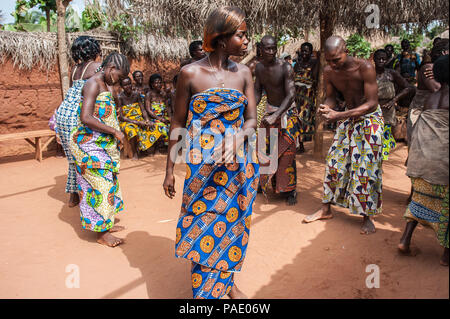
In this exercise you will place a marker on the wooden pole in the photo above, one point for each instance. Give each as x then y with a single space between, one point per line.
61 6
326 30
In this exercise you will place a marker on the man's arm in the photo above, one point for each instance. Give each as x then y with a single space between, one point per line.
258 86
405 87
431 84
330 98
289 90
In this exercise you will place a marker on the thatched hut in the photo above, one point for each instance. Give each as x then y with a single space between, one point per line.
30 85
31 49
182 17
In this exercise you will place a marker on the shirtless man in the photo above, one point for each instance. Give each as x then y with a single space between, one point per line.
195 51
353 170
275 76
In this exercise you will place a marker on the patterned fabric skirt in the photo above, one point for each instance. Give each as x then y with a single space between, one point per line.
145 137
261 109
353 173
66 121
306 107
388 141
429 207
160 109
97 159
100 198
210 283
285 178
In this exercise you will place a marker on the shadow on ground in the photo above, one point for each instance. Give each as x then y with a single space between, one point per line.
164 275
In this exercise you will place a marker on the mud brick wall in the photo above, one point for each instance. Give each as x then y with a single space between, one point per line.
29 98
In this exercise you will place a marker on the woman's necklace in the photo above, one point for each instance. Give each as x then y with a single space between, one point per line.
214 73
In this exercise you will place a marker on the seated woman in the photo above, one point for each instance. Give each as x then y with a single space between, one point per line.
134 121
156 106
139 85
428 165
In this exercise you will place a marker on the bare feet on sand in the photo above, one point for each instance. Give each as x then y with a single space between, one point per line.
291 199
109 240
116 228
320 214
367 226
403 248
235 293
405 241
74 200
444 258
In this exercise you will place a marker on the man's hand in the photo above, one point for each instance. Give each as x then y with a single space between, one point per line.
389 104
328 114
428 73
270 120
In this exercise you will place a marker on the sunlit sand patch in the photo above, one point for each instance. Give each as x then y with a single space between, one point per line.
166 220
267 207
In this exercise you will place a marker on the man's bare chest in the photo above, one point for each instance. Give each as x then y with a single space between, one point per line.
346 82
272 77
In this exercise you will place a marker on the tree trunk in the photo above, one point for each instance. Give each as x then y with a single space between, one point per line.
61 6
47 16
327 20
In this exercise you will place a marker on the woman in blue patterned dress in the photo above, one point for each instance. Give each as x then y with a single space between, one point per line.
215 102
85 51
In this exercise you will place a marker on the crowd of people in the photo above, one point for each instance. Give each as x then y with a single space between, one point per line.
221 103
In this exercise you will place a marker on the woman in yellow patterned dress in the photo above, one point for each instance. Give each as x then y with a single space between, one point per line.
156 105
95 145
134 121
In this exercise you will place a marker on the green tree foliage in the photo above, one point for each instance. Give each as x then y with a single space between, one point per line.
415 37
23 17
73 20
123 25
93 16
358 46
435 31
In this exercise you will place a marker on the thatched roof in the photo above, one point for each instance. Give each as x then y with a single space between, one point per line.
27 49
188 16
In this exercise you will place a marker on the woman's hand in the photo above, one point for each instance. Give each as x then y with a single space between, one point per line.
169 185
230 148
149 124
119 136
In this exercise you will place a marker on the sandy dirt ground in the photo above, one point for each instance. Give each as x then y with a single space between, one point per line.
42 240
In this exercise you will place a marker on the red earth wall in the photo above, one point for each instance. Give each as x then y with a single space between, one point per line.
29 98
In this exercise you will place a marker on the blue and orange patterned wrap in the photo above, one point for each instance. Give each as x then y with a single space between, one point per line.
214 224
